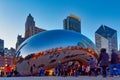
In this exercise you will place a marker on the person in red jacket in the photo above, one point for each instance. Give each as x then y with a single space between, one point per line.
8 71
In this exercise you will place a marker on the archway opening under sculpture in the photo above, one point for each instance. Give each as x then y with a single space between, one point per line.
50 58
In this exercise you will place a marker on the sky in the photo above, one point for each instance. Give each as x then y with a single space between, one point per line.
49 15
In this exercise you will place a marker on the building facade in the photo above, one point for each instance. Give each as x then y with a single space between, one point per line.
30 28
72 23
4 61
9 52
1 47
106 37
20 39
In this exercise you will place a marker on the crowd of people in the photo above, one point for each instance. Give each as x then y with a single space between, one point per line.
112 63
105 66
8 72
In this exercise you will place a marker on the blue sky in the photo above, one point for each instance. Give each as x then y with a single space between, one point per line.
49 14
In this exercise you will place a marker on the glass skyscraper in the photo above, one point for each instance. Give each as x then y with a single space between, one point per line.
106 37
72 23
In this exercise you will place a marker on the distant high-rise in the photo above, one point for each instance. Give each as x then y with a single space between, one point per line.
20 39
106 37
30 28
72 23
9 52
1 47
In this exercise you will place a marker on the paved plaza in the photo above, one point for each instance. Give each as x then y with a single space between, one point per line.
61 78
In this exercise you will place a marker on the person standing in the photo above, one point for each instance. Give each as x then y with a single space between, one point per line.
92 65
87 70
103 61
56 71
59 65
76 69
65 69
113 64
83 70
31 70
41 72
8 71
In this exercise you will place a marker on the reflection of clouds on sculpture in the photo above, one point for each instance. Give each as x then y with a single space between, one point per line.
53 39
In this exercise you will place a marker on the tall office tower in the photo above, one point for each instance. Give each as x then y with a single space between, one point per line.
12 51
106 37
72 23
1 47
30 28
20 39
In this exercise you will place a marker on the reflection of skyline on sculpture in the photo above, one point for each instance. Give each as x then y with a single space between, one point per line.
53 39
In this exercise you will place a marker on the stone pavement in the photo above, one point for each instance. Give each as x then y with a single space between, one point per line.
61 78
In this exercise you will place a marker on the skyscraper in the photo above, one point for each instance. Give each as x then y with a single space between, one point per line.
72 23
106 37
20 39
1 47
30 28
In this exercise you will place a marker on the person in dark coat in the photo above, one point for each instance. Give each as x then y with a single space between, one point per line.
59 65
103 61
76 69
56 71
31 70
113 64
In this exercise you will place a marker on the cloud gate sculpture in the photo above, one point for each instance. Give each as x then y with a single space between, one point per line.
47 48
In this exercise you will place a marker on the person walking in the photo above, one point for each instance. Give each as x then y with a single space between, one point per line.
103 61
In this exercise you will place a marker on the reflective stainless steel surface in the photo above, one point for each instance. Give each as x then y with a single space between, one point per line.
53 39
